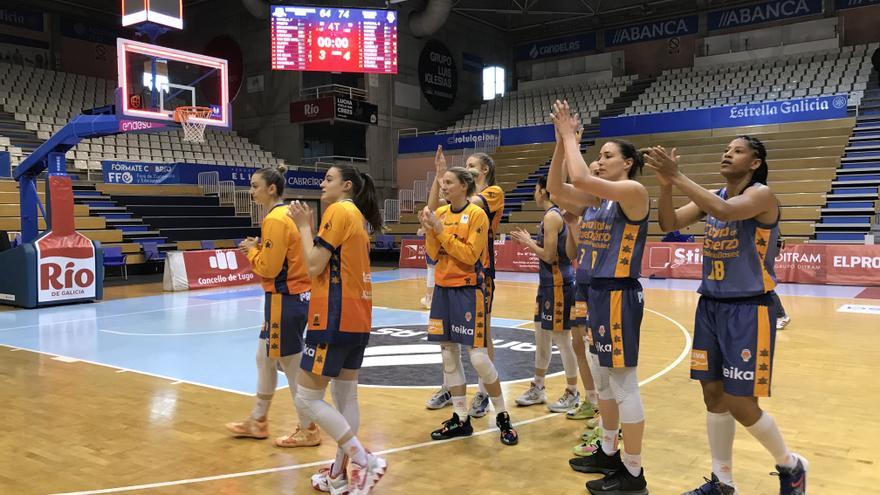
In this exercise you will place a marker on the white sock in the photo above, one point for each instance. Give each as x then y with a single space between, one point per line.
459 406
539 381
633 463
355 451
609 441
338 466
261 408
721 428
592 396
482 387
766 432
499 404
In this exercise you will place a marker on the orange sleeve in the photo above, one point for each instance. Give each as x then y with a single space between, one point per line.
335 227
267 260
492 199
469 250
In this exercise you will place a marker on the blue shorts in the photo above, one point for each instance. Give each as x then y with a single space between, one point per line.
734 341
329 359
284 321
616 310
458 315
553 307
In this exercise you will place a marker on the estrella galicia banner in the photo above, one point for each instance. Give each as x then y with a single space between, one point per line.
851 4
121 172
556 47
461 140
650 31
438 76
762 12
760 113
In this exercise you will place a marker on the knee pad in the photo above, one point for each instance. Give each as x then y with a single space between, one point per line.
543 348
452 368
305 399
625 385
343 391
481 362
602 382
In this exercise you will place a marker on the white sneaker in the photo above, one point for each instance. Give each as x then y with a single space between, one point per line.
364 478
323 482
479 405
534 395
568 401
782 322
440 399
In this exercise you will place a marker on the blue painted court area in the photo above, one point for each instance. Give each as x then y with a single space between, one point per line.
203 337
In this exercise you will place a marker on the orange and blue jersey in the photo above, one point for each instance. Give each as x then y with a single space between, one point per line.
278 260
492 202
461 249
560 272
342 295
616 243
582 272
738 257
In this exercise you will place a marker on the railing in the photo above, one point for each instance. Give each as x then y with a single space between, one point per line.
328 161
420 191
244 205
333 89
209 182
258 213
391 212
227 192
407 200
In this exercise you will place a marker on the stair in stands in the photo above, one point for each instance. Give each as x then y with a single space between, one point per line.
851 206
18 135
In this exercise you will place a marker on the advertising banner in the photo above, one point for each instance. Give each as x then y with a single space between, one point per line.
186 270
556 47
758 113
762 12
123 172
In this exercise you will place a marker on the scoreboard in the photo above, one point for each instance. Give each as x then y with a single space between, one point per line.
334 39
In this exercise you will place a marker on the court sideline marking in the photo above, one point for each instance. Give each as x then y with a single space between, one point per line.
681 357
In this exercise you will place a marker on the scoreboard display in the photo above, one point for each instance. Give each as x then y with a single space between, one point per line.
334 39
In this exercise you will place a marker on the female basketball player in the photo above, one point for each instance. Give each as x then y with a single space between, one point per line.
456 237
278 261
553 303
490 198
340 315
577 206
616 235
735 328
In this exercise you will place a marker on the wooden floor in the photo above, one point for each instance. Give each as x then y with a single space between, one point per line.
79 427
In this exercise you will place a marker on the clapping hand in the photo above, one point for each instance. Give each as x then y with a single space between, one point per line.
664 163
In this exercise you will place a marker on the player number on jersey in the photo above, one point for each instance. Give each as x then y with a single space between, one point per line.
717 272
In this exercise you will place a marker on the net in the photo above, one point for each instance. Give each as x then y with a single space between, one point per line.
193 130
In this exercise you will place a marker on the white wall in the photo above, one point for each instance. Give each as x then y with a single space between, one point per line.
585 64
777 51
774 37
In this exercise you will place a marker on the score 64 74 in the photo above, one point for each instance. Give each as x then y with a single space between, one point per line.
340 13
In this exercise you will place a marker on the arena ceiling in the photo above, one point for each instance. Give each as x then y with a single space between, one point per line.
521 19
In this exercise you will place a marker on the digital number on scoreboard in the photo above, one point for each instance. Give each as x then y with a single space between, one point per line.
334 39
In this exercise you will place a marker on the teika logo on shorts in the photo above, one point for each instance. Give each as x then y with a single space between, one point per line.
461 329
738 374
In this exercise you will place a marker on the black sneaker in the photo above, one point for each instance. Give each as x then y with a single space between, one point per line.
712 487
453 427
508 434
599 462
793 481
619 482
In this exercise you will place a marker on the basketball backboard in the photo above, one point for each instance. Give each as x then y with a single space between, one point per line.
155 80
164 12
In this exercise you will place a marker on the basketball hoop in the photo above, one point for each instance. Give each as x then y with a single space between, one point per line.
193 130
